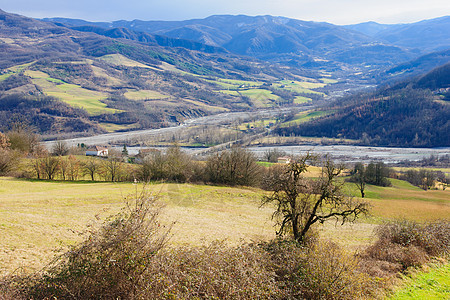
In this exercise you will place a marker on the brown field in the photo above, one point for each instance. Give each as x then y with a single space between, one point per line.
39 217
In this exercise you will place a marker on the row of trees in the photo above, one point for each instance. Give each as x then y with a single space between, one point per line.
71 168
373 173
425 179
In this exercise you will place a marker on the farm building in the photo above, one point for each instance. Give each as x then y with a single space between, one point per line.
284 160
97 151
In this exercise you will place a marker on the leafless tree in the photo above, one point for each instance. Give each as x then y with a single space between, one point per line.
112 167
73 168
302 202
4 141
91 167
234 167
49 166
359 178
8 161
60 148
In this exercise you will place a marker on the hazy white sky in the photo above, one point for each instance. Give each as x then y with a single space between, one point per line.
333 11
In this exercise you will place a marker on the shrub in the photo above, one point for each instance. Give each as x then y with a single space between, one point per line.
111 262
216 271
234 167
402 244
321 271
8 161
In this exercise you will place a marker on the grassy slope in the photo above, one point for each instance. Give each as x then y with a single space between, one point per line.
38 216
431 284
70 93
403 200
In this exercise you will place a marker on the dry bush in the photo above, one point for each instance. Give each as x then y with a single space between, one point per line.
320 271
402 244
216 271
9 292
8 161
110 263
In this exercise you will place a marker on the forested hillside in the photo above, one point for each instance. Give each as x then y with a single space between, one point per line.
414 113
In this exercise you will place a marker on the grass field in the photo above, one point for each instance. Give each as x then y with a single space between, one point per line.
301 99
144 95
260 98
120 60
111 127
433 284
5 76
206 106
305 116
70 93
37 217
300 86
235 84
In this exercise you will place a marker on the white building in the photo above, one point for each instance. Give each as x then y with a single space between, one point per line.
97 151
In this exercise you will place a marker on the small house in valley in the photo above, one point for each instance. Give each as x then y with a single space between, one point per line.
97 151
284 159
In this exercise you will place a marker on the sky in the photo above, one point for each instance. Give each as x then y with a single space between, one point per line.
339 12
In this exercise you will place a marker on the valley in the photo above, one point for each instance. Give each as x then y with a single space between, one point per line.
229 157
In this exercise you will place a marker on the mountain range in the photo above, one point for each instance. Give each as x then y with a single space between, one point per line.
281 39
74 76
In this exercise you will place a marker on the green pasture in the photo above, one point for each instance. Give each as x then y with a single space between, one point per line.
432 284
112 127
305 116
328 80
5 76
72 94
300 86
301 99
19 68
260 98
206 106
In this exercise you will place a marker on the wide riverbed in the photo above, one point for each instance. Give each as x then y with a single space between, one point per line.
341 153
346 153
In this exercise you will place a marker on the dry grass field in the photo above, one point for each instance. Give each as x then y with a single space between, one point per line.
39 217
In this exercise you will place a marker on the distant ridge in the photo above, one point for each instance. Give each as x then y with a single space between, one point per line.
276 39
426 35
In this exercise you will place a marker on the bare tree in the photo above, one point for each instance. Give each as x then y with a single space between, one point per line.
234 167
49 166
359 178
4 141
112 167
73 168
91 167
63 167
302 202
60 148
8 161
22 138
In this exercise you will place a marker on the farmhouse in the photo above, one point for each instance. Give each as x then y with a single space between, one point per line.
97 151
284 160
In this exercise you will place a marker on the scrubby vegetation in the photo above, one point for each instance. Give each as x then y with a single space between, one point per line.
404 244
127 257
